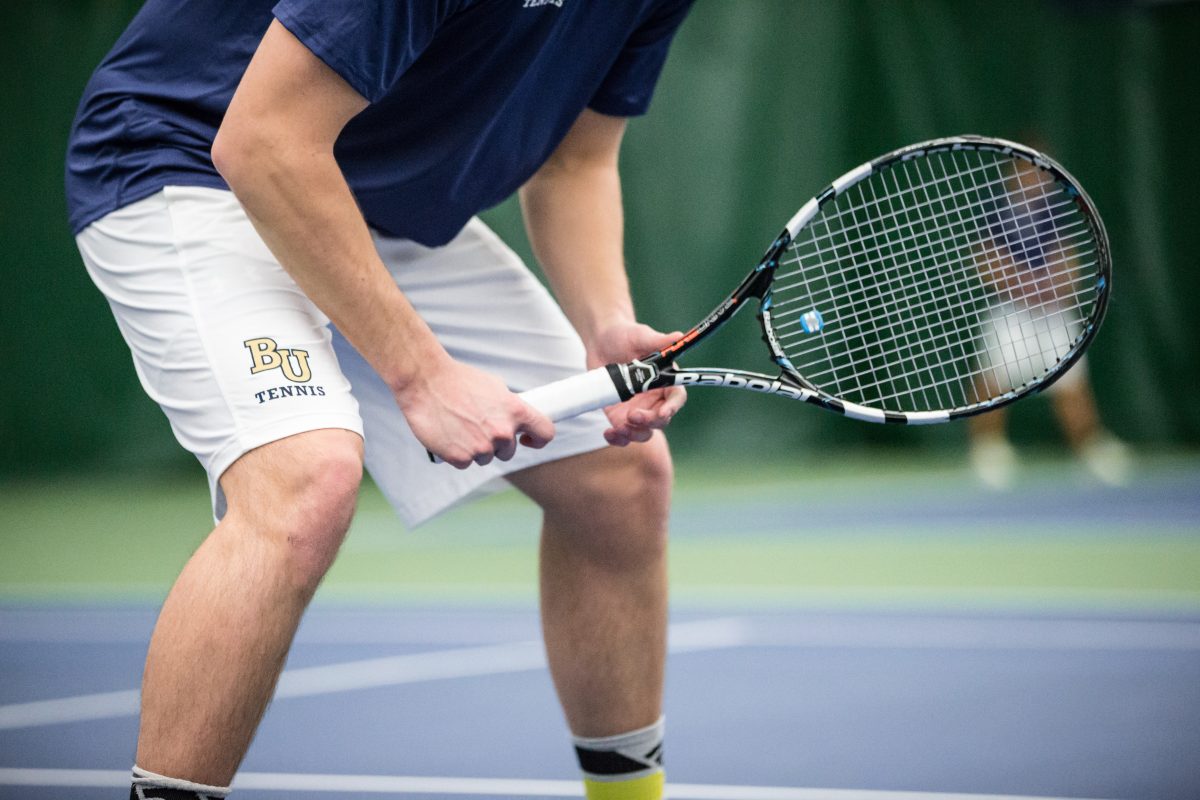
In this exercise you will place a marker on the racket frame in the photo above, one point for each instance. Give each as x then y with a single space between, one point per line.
658 370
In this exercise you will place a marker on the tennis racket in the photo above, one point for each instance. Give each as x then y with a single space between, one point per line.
938 281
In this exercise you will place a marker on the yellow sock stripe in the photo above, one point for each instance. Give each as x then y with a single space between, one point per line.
647 787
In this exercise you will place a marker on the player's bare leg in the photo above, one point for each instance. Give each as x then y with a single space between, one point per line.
1106 457
604 582
992 457
993 423
225 629
1075 409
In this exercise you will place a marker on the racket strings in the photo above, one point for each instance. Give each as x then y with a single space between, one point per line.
1061 245
903 367
930 279
910 353
1050 348
874 319
961 314
902 374
829 257
1084 293
832 236
942 282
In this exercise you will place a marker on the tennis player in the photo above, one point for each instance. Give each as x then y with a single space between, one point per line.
1028 325
243 174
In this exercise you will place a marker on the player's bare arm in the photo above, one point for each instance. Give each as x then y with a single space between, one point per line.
275 149
574 217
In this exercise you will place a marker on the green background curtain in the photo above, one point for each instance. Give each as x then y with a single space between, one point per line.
761 104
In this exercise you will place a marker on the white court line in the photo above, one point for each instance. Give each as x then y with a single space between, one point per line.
397 784
711 634
808 629
369 673
977 634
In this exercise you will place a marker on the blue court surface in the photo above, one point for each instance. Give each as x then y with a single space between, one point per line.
992 683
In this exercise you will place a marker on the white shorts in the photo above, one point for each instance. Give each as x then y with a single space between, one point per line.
1022 344
237 356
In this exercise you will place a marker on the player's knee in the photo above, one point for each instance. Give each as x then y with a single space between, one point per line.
653 480
622 507
298 498
323 504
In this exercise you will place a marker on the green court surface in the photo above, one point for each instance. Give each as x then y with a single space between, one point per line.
862 531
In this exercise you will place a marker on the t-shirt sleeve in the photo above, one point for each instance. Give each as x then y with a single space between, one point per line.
627 88
370 43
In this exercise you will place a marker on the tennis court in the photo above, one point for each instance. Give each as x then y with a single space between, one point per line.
854 616
920 639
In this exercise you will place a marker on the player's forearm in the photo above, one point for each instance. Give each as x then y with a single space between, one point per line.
575 222
301 206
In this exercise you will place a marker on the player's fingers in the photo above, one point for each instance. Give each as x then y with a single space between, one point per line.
640 434
647 420
627 428
653 340
674 399
659 414
459 459
535 428
505 448
616 438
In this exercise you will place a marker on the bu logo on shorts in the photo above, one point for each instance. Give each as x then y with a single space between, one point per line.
265 355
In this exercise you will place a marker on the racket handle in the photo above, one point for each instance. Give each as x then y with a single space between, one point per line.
570 397
575 395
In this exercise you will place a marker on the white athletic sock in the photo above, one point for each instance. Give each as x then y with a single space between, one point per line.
152 786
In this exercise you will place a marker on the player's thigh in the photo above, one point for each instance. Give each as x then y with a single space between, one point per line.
221 337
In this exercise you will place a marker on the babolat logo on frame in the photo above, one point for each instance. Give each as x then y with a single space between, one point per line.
764 385
267 355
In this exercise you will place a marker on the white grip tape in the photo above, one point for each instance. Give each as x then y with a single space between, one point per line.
569 397
573 396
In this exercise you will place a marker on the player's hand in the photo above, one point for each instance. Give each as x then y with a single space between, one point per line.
636 419
466 416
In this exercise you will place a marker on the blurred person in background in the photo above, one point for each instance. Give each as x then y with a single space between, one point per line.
1028 277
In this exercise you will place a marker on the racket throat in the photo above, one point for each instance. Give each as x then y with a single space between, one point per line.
637 376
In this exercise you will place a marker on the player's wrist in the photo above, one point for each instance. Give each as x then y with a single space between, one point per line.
416 369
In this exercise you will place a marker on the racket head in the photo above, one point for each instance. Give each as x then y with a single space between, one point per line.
941 280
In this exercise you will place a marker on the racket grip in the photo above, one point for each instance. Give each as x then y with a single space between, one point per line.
575 395
570 397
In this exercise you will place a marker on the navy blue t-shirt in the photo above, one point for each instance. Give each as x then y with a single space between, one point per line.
468 97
